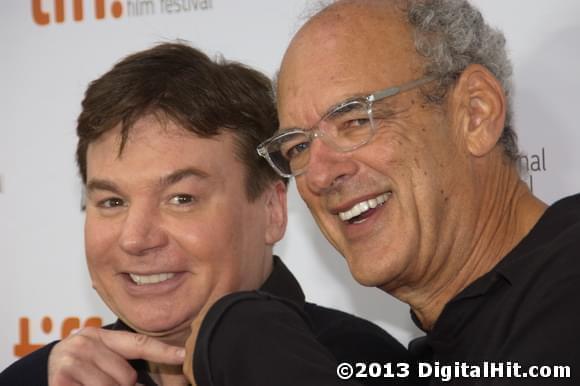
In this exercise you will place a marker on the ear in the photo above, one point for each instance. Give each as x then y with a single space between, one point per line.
276 212
481 103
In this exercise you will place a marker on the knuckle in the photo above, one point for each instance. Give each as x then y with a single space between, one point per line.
68 361
88 331
79 343
141 340
61 363
70 346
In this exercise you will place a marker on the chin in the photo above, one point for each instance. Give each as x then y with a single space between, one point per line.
370 279
370 271
155 324
160 330
365 275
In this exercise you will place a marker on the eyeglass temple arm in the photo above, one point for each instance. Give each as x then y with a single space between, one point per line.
396 90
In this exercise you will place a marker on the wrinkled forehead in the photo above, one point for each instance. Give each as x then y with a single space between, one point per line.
349 50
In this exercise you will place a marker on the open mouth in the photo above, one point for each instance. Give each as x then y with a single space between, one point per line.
362 210
150 279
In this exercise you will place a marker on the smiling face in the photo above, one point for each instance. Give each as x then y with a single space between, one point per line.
384 206
169 226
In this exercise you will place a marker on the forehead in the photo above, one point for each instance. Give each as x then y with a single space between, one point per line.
348 50
158 146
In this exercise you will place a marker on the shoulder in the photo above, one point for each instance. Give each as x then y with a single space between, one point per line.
352 338
538 304
558 231
29 370
249 312
257 337
550 254
543 272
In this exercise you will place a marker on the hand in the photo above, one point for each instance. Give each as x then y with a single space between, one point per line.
95 357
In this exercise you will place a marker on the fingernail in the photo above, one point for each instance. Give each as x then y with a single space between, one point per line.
181 353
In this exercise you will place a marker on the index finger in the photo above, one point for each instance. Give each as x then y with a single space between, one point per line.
138 346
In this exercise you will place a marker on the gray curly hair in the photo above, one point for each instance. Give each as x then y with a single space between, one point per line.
451 35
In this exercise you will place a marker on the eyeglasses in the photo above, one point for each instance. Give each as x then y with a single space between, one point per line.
345 127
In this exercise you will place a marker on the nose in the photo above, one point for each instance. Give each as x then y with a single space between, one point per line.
328 168
142 231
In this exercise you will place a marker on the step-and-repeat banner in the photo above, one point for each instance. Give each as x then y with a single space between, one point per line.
51 49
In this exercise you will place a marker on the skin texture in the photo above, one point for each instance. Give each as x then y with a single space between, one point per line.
173 202
455 206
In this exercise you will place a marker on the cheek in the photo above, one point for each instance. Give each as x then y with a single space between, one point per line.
99 239
312 201
247 233
205 241
222 253
241 235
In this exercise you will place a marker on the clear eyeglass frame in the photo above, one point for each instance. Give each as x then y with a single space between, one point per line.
270 149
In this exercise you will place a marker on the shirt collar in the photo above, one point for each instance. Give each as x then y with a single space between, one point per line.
282 283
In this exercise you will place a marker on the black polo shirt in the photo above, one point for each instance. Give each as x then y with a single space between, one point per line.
273 337
523 312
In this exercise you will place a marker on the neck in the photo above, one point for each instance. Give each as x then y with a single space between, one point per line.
167 374
501 216
164 374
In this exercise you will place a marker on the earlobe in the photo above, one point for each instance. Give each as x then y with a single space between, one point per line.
276 212
484 102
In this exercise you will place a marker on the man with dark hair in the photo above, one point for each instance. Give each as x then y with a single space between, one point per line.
395 119
181 211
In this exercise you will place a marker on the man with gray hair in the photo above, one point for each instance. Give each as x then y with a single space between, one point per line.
395 120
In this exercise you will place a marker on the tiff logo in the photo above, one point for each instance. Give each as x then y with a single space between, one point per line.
43 14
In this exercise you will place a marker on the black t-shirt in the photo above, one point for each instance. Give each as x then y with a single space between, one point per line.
521 313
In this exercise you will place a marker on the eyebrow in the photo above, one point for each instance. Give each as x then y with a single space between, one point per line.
99 184
164 182
180 175
344 102
335 109
342 107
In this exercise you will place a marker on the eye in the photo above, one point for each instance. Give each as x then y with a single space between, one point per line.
356 123
112 202
351 116
292 144
295 150
182 199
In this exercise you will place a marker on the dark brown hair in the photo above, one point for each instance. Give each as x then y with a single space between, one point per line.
178 82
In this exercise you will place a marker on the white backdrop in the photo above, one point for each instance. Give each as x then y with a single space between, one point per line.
47 61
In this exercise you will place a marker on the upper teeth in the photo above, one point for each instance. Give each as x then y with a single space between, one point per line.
363 206
150 279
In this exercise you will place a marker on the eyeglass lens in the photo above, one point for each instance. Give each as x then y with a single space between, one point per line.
345 128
